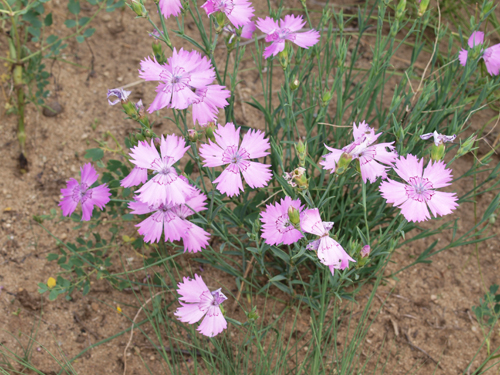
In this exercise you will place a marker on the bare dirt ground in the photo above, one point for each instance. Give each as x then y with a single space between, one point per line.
426 319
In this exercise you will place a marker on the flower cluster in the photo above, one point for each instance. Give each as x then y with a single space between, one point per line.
186 80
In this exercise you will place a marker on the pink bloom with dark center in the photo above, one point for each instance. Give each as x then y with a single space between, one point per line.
226 150
135 177
330 253
277 228
491 55
166 187
183 73
197 301
81 193
239 12
286 29
419 193
170 7
171 219
369 155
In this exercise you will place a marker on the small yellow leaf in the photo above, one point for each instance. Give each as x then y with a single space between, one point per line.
119 309
7 209
51 282
125 238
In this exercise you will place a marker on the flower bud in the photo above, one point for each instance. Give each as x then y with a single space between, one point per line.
343 164
209 131
138 8
365 251
252 315
129 108
300 178
283 58
294 85
294 215
467 146
325 99
158 52
139 137
193 135
221 20
423 7
486 9
301 153
400 9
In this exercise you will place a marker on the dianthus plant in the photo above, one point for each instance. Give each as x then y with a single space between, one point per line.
321 179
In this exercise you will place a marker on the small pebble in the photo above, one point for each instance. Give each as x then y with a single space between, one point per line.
52 109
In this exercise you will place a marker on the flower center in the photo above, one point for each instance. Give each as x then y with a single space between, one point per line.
162 165
283 224
80 193
233 155
225 6
419 189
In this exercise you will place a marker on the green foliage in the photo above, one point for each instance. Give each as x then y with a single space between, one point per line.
488 311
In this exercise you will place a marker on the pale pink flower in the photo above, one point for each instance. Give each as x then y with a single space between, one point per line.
170 219
419 194
491 55
225 150
369 155
239 12
330 253
439 139
197 302
365 251
166 187
209 99
170 7
81 193
246 31
183 73
276 225
286 29
135 177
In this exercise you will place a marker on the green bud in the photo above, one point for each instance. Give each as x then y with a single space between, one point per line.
325 99
193 135
486 9
400 9
252 315
293 215
467 146
158 52
301 149
129 108
139 137
221 20
209 131
423 7
437 152
300 178
343 164
138 8
283 58
148 133
294 85
38 219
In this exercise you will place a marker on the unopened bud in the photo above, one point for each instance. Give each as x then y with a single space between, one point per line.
158 52
343 164
283 58
294 215
209 131
300 178
129 108
400 9
301 148
193 135
139 137
365 251
138 8
467 146
221 20
252 315
294 85
325 99
423 7
486 9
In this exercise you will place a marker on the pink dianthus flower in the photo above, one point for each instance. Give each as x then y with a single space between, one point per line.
287 29
330 253
419 194
491 55
185 80
239 12
277 228
369 155
170 219
80 192
135 177
170 7
197 302
225 150
166 187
